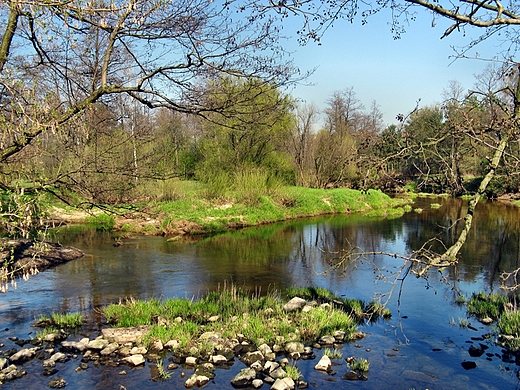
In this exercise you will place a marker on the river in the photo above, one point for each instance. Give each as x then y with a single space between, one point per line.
421 346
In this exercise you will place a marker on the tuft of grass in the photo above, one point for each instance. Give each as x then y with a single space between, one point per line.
163 374
61 320
435 206
463 322
484 305
359 364
332 353
293 372
509 323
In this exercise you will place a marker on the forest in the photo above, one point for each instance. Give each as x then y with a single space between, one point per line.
101 102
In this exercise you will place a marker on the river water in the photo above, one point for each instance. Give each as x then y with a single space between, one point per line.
422 346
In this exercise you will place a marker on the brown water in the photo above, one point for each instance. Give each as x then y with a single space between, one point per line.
419 347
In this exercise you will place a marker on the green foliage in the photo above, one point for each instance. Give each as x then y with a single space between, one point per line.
332 353
359 364
61 320
487 305
509 323
293 372
22 214
102 222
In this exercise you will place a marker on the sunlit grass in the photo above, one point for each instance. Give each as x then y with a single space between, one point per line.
61 320
261 319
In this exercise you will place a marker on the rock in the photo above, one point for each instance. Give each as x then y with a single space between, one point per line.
191 361
244 378
327 340
3 363
51 362
468 365
213 318
475 351
196 380
74 345
97 344
486 321
280 384
157 345
265 349
125 335
172 344
324 364
257 383
257 366
278 373
57 383
135 360
294 346
138 351
109 349
218 359
270 366
339 335
294 304
23 355
251 357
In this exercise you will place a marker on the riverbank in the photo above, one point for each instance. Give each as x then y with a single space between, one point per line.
190 211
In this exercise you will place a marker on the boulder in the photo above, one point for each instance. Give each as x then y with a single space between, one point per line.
134 360
280 384
294 346
74 345
295 303
97 344
327 340
244 378
251 357
109 349
125 335
23 355
324 364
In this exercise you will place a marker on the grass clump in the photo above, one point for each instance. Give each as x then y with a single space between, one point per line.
59 320
293 372
435 206
332 353
361 365
484 305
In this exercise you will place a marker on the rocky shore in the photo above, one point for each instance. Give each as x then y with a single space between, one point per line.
123 349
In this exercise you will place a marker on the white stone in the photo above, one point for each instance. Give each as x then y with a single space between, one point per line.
280 384
324 364
191 360
135 360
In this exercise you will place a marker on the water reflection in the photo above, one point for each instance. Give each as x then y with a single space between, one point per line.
299 253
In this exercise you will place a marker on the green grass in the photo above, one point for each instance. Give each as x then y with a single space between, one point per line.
246 204
359 364
484 305
332 353
102 222
509 323
293 372
238 313
59 320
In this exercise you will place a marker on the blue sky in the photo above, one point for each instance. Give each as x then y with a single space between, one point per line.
394 73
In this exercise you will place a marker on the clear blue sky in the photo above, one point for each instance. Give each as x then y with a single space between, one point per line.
394 73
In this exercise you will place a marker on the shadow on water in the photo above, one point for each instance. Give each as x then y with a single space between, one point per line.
422 348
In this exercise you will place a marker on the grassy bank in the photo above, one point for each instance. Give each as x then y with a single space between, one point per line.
188 207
